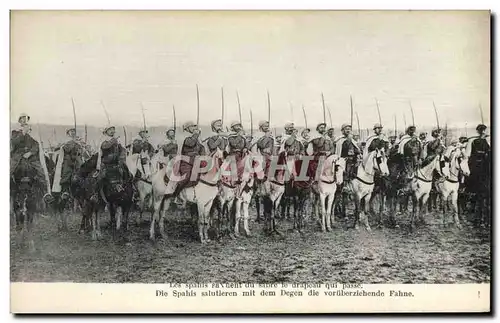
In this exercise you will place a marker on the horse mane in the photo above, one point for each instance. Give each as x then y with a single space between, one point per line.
88 166
412 147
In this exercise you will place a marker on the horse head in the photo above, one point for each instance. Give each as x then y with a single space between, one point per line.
25 176
339 167
380 163
442 165
459 162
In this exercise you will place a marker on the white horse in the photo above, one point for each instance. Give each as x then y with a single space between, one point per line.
246 189
144 185
422 183
362 185
331 176
459 163
202 194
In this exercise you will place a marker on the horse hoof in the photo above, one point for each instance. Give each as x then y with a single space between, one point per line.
368 229
208 240
356 227
328 229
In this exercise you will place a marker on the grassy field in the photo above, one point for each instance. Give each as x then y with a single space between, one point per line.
431 254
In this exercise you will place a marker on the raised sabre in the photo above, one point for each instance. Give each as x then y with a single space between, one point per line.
436 113
330 116
106 112
404 120
324 109
143 117
125 136
239 106
74 112
251 124
395 126
412 114
378 111
175 121
305 116
359 128
350 97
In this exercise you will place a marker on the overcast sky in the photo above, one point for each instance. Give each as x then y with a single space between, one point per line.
157 58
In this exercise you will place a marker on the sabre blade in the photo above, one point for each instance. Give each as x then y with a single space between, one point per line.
359 128
222 105
329 115
412 114
106 112
175 119
268 108
239 106
481 110
436 113
251 123
324 109
352 109
305 115
378 111
74 112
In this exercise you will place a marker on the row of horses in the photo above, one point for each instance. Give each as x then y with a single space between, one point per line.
221 203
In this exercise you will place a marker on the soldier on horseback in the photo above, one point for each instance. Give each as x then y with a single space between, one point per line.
237 147
69 160
141 144
218 139
423 138
376 141
169 147
433 147
111 155
23 148
348 149
191 148
265 145
304 139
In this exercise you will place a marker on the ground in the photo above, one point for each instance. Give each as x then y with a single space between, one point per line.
431 254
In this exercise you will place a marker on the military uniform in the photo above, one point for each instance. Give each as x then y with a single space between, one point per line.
348 149
21 143
69 159
140 144
169 148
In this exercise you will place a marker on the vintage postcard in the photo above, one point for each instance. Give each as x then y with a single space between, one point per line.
250 161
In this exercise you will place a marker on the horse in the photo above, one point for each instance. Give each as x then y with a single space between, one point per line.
421 184
362 185
331 177
117 191
83 188
141 168
24 182
459 164
201 192
402 168
246 189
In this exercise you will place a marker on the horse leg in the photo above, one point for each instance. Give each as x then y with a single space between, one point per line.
112 215
257 208
237 216
454 209
162 216
357 202
322 209
142 203
246 216
365 208
328 207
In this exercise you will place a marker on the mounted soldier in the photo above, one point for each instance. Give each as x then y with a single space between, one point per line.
191 148
291 147
347 148
111 157
331 136
69 160
219 139
237 147
24 148
141 143
433 147
305 136
265 145
169 148
376 141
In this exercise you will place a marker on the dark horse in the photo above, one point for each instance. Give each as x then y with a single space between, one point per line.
401 170
115 191
25 187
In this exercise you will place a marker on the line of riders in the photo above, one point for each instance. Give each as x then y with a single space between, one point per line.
111 154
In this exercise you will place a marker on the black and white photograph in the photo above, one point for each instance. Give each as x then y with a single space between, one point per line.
261 147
